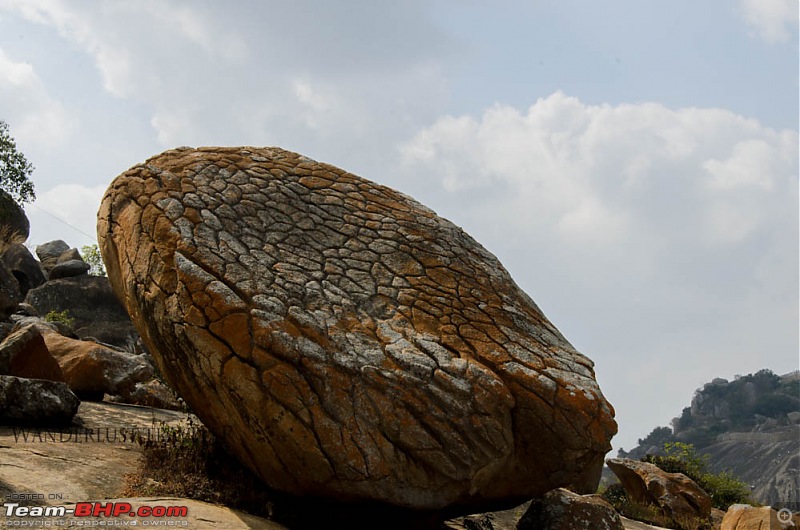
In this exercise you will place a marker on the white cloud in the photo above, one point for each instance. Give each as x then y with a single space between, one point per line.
772 20
66 208
665 240
35 117
586 171
122 36
295 74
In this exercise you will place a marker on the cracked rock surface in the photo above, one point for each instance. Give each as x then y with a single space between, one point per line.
343 339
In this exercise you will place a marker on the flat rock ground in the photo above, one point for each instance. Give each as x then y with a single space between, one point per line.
89 460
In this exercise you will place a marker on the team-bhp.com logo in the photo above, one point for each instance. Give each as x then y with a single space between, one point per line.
95 509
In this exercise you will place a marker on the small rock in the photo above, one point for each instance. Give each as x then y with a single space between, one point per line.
149 394
36 401
26 310
24 354
562 509
68 269
50 252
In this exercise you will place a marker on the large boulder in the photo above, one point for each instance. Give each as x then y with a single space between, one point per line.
90 301
678 496
562 509
92 370
24 354
24 267
342 339
36 401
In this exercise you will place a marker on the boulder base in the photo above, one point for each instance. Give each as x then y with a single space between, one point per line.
343 339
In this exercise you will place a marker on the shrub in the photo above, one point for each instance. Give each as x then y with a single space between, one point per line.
647 513
724 488
60 317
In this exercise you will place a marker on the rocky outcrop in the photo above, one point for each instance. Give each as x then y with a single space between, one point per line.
24 267
561 509
24 354
768 461
61 261
90 301
344 340
748 427
35 401
49 253
678 496
92 370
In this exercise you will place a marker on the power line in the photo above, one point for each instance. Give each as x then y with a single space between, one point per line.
57 218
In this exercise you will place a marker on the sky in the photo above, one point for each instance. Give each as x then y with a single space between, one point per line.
634 165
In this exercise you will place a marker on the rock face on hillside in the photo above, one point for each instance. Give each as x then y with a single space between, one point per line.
343 339
749 426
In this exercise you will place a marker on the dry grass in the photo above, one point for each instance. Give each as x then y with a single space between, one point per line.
187 461
9 237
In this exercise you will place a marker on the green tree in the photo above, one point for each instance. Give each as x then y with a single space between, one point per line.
657 437
91 255
15 170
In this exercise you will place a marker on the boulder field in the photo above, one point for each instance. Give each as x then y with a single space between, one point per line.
342 339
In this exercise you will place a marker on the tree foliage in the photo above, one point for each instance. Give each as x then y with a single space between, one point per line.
91 255
15 170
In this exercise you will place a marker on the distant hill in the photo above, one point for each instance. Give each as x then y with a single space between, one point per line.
749 426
